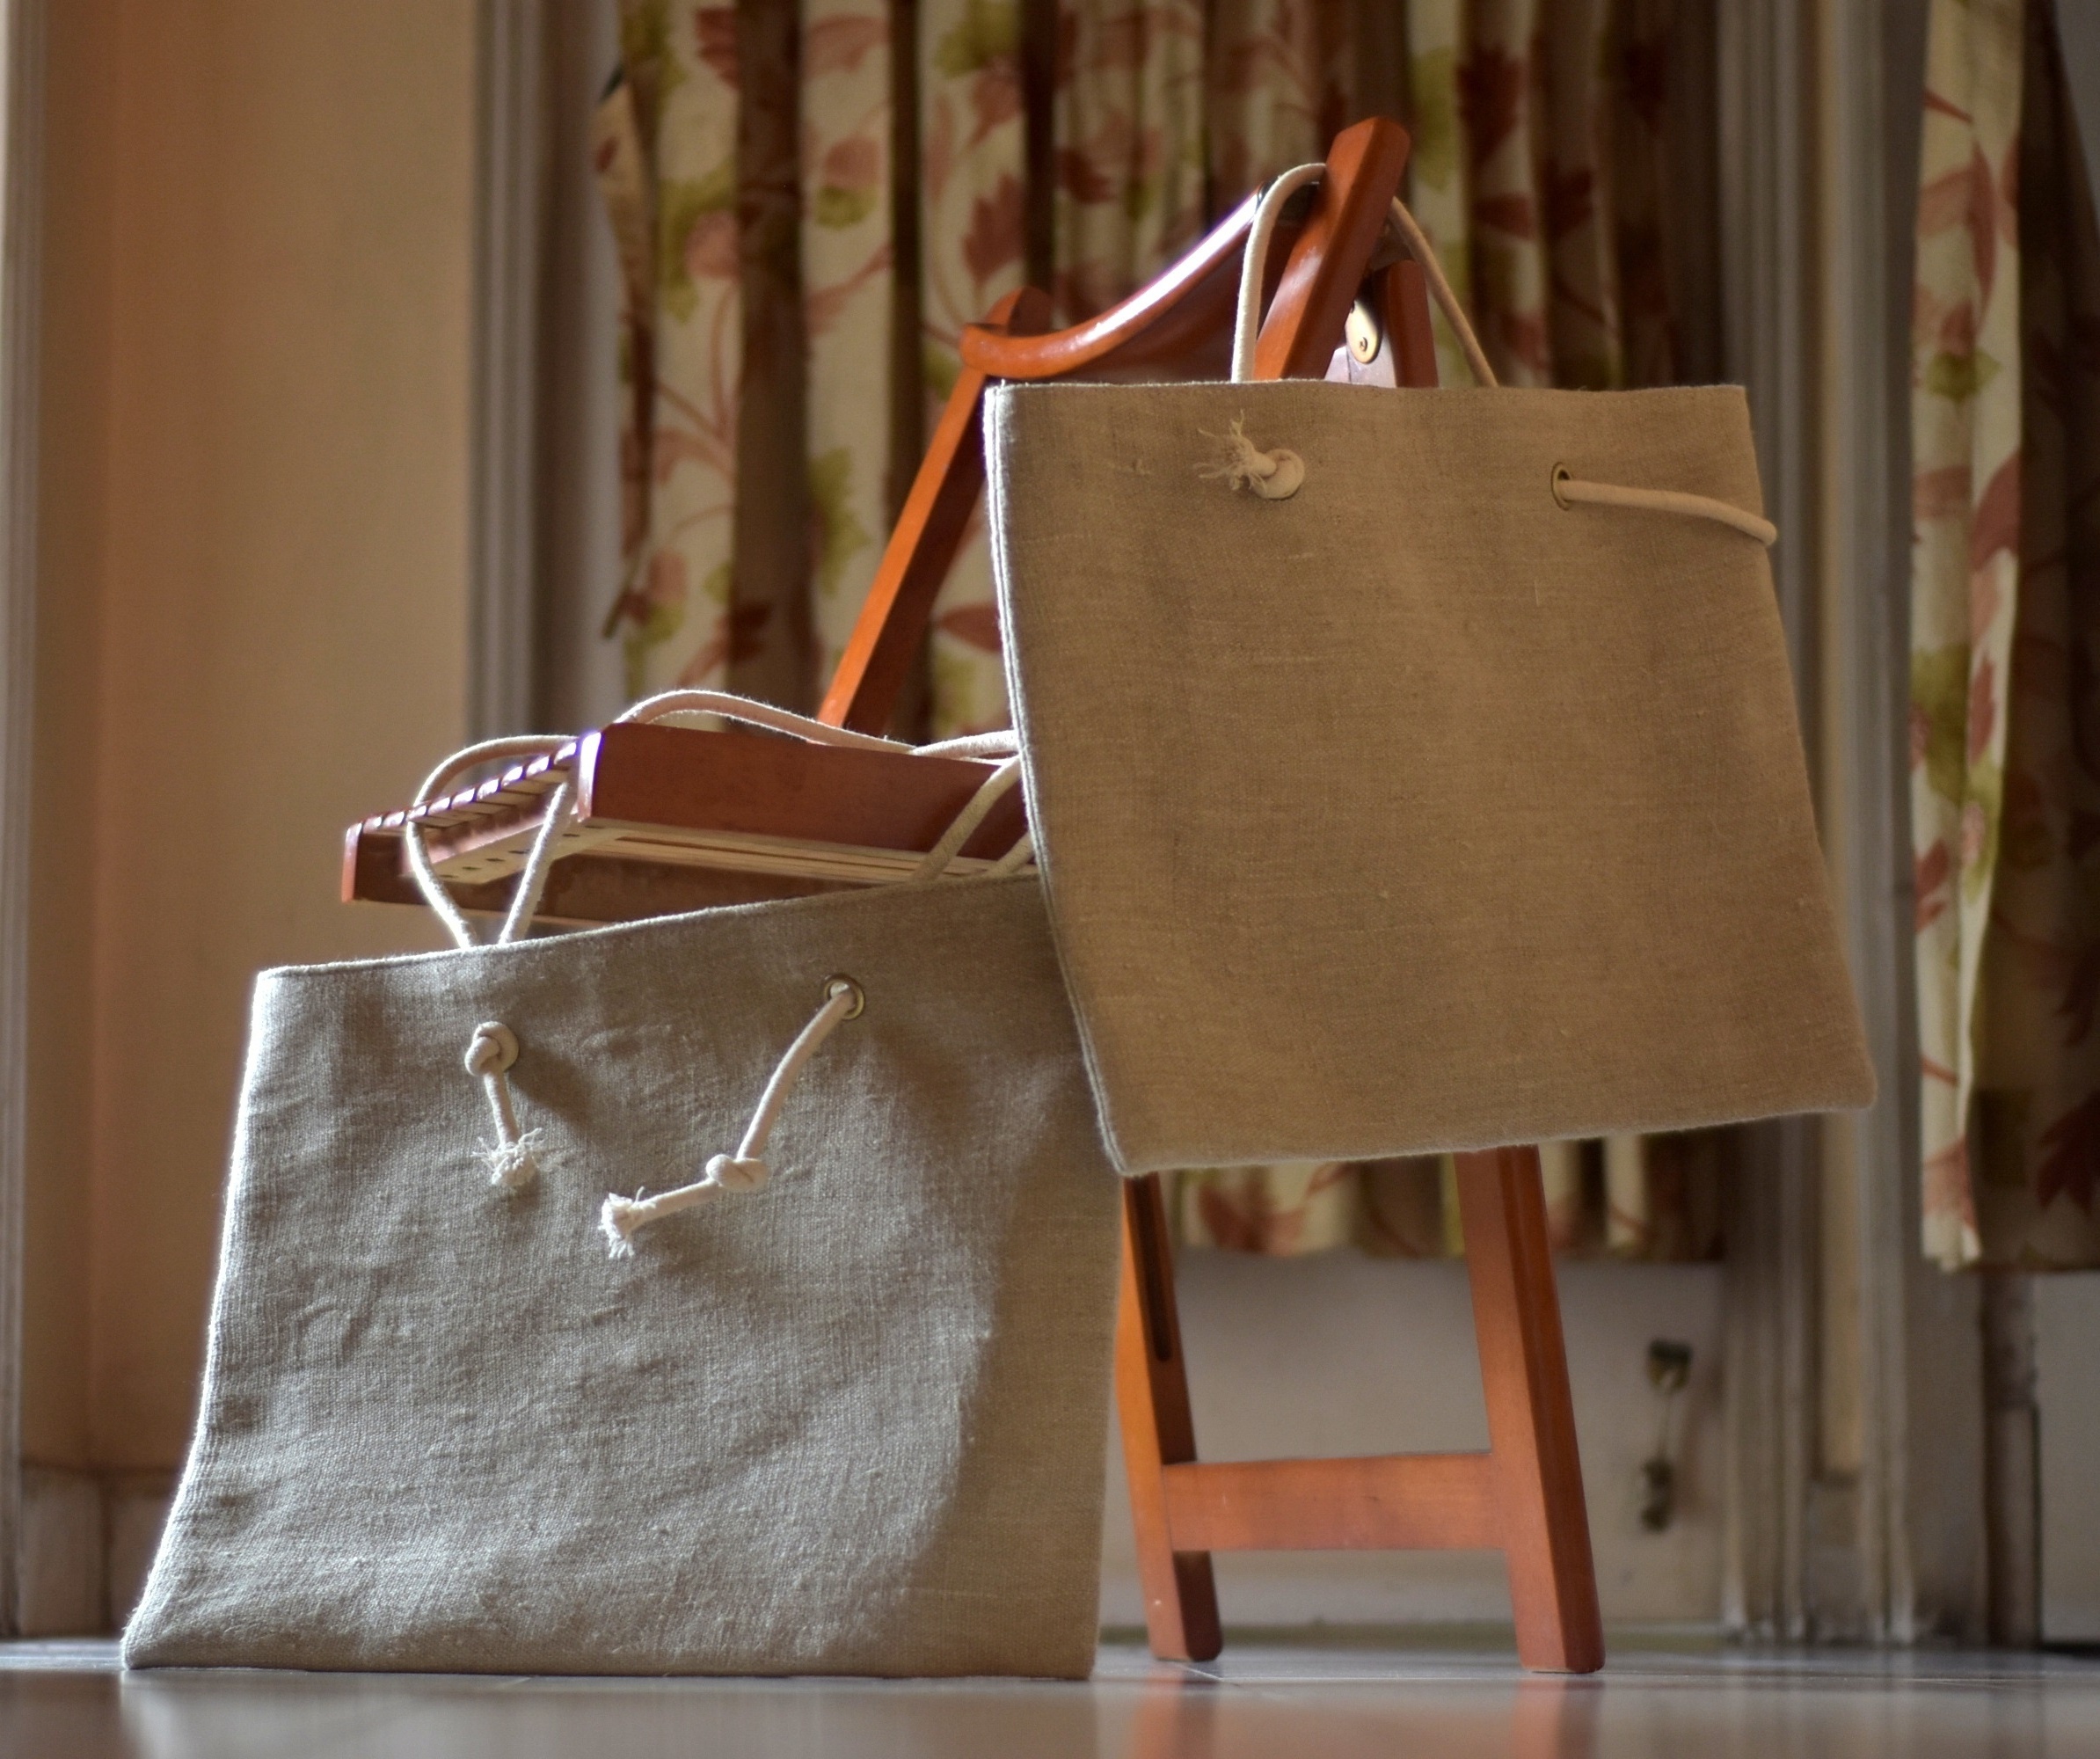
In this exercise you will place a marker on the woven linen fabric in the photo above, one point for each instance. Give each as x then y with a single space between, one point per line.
853 1422
1415 811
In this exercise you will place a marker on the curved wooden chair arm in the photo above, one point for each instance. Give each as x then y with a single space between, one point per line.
1179 324
1182 320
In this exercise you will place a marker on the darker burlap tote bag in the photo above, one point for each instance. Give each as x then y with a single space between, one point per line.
1413 769
487 1410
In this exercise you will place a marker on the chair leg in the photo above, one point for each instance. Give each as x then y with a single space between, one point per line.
1152 1401
1531 1418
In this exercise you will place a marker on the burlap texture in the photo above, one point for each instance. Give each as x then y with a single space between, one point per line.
852 1423
1414 811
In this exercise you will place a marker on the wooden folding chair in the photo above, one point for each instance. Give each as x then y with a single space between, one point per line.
670 819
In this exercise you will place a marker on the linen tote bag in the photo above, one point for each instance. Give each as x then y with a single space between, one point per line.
836 1405
1412 771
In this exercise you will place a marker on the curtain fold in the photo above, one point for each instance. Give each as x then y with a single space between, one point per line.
972 202
1966 444
1585 334
774 255
2005 592
1275 90
1501 91
1439 175
673 129
849 304
1129 159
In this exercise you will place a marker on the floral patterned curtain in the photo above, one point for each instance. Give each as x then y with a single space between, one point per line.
848 305
2005 595
666 146
1543 167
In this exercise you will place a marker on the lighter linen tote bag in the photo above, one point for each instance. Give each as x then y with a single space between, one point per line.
849 1419
1444 791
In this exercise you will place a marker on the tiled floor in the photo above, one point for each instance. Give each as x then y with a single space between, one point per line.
1262 1701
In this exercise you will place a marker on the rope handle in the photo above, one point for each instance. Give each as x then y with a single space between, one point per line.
674 706
693 704
1278 473
514 1159
1246 325
622 1218
1573 491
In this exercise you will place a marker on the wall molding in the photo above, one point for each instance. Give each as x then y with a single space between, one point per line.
21 276
511 186
1919 1533
1853 1379
2078 31
1769 1371
88 1541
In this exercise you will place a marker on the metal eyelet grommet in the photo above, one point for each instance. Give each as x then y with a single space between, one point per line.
835 987
1560 499
1361 331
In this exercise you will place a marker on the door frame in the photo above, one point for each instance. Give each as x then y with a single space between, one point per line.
21 276
511 183
1854 1376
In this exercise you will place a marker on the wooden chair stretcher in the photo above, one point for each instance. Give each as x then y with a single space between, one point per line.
673 819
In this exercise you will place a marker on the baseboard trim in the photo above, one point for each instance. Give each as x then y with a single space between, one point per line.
87 1539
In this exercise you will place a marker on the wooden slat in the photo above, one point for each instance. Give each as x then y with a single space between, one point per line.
1543 1520
490 808
836 865
726 786
922 544
1152 1403
1327 262
758 786
844 864
1180 323
666 799
1398 1501
1409 332
582 891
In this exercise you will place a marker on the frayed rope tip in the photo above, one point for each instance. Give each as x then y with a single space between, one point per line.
512 1167
1274 476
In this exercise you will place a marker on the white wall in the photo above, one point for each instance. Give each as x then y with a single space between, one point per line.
252 595
2066 1317
251 611
1340 1354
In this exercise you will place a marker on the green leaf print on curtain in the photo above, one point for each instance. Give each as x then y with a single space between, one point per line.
973 205
1964 576
1129 160
2033 1132
671 133
847 305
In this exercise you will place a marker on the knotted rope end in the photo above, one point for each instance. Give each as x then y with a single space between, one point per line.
1274 476
493 1050
622 1218
512 1167
745 1170
618 1221
734 1174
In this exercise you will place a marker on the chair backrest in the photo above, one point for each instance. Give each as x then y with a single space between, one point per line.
662 807
1177 326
